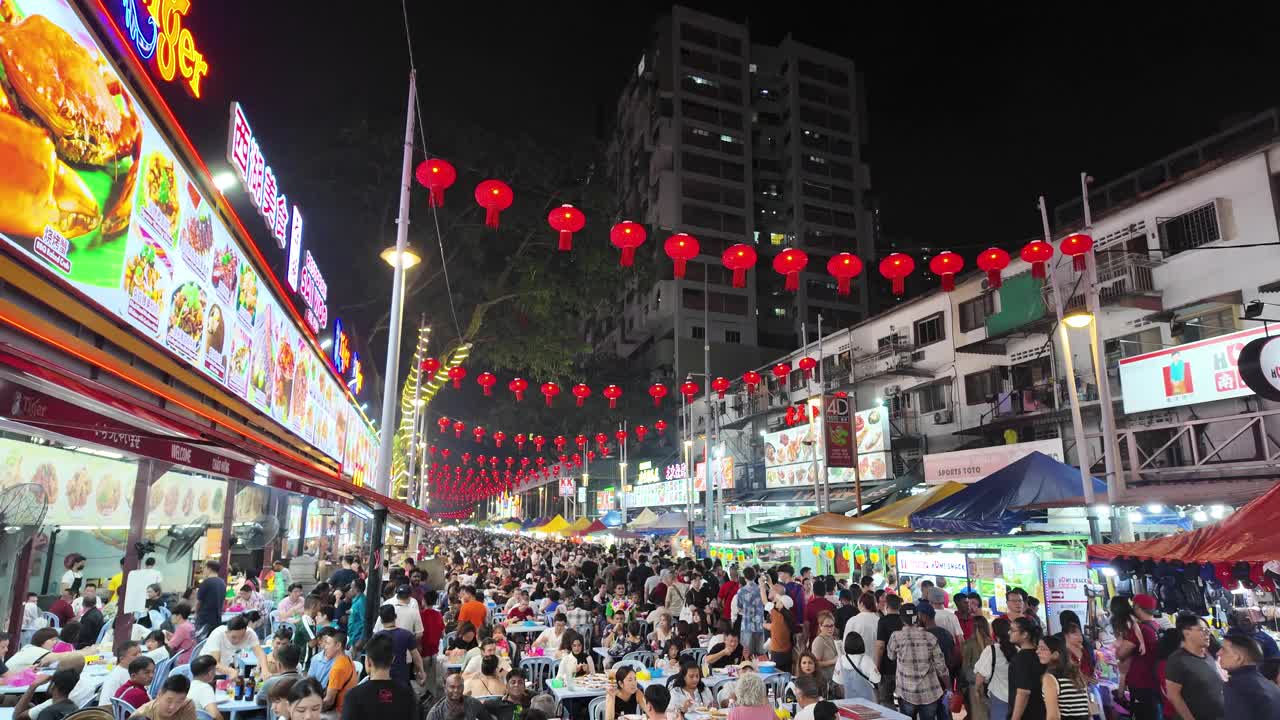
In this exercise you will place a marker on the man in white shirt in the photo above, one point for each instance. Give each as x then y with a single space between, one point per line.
549 639
807 696
408 617
77 605
226 641
944 618
202 694
125 654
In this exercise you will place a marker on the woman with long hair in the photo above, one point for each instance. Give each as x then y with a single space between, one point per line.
624 696
688 691
970 653
991 671
1065 691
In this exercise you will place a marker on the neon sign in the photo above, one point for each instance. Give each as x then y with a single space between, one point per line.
341 348
356 381
170 44
301 273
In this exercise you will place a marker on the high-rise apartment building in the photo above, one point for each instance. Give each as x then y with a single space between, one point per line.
735 142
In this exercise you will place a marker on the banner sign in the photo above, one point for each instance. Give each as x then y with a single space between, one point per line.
723 475
966 466
837 428
950 565
1189 374
133 233
788 454
566 486
1064 589
667 492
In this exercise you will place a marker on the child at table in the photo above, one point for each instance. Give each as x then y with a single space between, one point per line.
500 639
669 662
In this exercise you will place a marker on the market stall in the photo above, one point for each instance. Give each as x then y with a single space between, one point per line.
899 513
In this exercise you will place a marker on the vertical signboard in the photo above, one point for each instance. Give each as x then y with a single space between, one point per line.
1064 589
566 486
837 428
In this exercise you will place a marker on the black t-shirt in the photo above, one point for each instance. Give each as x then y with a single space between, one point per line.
380 699
589 570
843 613
1024 674
946 643
638 576
209 597
342 578
732 658
402 642
57 711
887 626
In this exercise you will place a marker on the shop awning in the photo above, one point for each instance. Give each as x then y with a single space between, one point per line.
557 524
899 513
594 527
577 526
646 518
613 518
532 523
780 527
1003 500
512 526
1251 534
833 524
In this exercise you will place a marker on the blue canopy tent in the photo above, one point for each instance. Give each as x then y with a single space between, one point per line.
533 523
613 518
1004 499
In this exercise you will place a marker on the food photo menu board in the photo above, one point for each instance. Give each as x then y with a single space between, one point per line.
114 214
788 454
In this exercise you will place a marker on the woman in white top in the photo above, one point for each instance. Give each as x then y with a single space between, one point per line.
992 669
688 691
855 670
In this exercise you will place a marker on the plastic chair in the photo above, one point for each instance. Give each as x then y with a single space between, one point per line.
52 619
633 664
184 670
195 651
539 670
202 715
644 657
778 681
121 710
104 632
595 710
162 672
695 654
90 713
279 625
715 681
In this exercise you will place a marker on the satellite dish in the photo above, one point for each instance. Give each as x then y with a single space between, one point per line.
257 533
22 510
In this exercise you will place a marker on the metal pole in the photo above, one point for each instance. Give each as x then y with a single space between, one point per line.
390 378
1077 424
708 482
857 470
410 482
824 472
373 586
1094 306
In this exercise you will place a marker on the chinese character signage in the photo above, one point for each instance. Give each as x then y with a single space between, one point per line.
666 492
131 231
1197 372
789 453
837 428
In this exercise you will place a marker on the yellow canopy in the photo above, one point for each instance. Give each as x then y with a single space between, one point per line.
834 524
646 518
557 524
512 526
899 513
580 524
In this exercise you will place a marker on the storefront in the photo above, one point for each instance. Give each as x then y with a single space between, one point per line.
163 389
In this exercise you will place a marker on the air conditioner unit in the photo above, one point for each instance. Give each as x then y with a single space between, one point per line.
892 390
942 417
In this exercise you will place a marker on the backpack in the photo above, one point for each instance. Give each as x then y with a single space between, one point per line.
1181 593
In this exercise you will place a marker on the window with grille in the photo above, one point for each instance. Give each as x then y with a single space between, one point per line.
980 387
1191 229
973 313
930 330
698 332
733 336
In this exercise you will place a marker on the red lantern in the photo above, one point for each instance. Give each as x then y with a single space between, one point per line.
480 459
580 440
524 462
591 454
844 268
518 386
456 374
689 389
568 220
790 262
661 427
540 462
620 436
430 366
559 442
549 391
720 385
627 236
790 418
807 364
1077 245
486 380
431 450
581 392
992 261
657 391
641 431
739 258
498 437
520 441
781 371
444 453
945 265
443 422
751 379
897 267
601 440
494 196
681 248
458 427
478 433
466 458
436 175
612 392
1037 252
538 442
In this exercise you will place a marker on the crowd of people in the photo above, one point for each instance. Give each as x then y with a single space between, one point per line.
441 642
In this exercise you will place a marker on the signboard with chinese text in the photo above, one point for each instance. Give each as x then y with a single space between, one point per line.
646 473
566 486
723 475
788 454
1064 589
966 466
148 247
837 428
941 564
667 492
1198 372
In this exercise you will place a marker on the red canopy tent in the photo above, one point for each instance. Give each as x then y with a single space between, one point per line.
595 527
1251 534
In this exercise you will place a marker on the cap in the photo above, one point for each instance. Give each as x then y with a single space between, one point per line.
924 608
1146 602
908 611
402 591
936 595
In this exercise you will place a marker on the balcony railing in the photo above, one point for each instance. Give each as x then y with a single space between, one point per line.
1123 278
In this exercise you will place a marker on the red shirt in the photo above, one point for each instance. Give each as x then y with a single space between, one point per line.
966 626
728 589
134 694
519 613
63 610
812 609
432 631
1142 670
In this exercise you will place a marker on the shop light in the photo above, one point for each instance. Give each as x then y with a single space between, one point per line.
359 512
410 256
1135 516
326 343
1200 516
1109 571
1102 510
224 181
261 472
100 453
1217 511
1078 320
1155 508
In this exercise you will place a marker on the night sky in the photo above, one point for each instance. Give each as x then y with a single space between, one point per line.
970 117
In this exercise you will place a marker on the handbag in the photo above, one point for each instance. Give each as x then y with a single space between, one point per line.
956 703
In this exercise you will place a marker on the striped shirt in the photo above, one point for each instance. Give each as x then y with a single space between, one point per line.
1073 703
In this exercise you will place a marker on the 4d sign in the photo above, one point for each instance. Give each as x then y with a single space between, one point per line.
166 41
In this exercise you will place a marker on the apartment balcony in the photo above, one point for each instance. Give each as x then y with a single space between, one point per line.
1124 279
895 358
1043 402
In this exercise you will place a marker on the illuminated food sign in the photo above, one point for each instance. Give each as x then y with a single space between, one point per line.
1189 374
301 273
789 453
341 348
166 41
92 192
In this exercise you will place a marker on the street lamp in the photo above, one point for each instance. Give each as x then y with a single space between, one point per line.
409 254
1078 320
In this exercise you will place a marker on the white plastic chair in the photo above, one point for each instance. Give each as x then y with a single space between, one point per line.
121 710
